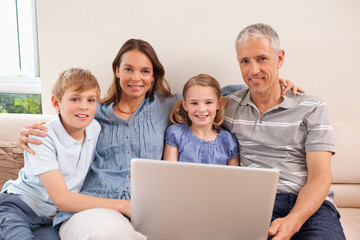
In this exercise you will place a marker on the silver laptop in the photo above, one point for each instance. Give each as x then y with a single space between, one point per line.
176 200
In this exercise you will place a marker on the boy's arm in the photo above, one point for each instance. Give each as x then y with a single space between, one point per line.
171 153
67 201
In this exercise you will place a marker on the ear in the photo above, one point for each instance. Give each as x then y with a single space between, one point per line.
183 104
117 72
56 103
220 103
280 58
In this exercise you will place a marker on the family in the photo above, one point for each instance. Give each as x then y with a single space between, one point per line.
265 126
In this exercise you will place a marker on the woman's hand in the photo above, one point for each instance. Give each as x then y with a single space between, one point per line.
288 84
22 138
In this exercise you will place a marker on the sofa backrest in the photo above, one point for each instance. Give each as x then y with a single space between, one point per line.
11 123
346 164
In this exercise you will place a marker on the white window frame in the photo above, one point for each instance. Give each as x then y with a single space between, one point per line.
29 81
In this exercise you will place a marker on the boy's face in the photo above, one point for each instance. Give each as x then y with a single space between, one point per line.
77 110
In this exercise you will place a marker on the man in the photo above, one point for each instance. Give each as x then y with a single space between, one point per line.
289 133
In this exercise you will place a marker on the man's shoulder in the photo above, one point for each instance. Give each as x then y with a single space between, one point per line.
308 99
238 96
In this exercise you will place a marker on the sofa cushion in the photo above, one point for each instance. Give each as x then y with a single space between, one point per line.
11 161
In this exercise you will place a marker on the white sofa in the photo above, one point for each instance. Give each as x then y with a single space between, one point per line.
345 164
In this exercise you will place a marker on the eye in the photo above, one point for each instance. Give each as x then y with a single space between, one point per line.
127 69
209 102
244 61
147 72
74 99
261 59
91 100
193 103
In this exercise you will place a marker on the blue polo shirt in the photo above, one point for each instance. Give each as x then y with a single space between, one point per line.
58 151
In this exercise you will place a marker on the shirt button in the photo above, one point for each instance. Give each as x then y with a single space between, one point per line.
127 137
128 152
127 188
129 176
127 124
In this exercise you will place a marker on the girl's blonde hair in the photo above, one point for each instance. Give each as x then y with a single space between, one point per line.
178 113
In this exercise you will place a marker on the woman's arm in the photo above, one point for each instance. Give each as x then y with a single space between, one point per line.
67 201
171 153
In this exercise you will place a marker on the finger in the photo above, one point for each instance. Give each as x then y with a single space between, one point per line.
283 82
37 125
26 148
286 89
300 90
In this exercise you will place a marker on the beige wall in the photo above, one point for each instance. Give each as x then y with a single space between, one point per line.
321 40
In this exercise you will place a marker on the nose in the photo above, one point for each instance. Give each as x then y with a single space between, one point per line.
83 105
254 68
136 76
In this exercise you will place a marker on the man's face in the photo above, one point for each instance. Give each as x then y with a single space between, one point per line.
259 65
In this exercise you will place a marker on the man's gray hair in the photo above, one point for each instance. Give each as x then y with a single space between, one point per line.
259 30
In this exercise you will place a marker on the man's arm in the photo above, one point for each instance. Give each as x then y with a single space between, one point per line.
310 197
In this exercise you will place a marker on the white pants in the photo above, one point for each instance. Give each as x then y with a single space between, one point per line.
99 224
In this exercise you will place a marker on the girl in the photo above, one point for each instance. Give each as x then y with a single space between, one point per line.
197 136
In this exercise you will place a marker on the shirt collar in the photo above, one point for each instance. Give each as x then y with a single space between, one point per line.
289 100
64 137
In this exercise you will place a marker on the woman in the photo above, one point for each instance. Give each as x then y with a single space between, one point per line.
134 116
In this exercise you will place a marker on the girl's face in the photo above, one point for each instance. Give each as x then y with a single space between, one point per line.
201 104
135 73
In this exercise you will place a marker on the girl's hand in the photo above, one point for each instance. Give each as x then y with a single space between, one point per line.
288 84
22 138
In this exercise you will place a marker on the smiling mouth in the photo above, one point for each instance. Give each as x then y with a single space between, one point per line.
81 115
201 116
136 87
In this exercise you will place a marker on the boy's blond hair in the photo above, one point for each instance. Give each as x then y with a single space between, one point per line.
77 79
178 113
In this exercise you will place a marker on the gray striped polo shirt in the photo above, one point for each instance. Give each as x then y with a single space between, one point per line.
280 137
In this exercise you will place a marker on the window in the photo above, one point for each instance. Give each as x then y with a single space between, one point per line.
19 62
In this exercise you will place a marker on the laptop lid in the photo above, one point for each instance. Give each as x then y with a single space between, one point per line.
177 200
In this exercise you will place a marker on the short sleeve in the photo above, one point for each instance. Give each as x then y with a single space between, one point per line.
173 135
231 145
44 159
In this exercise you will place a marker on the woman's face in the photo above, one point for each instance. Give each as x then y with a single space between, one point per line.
135 73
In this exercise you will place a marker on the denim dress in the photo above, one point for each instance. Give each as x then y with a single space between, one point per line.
142 136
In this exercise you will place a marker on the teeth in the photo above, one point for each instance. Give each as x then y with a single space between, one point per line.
201 116
82 116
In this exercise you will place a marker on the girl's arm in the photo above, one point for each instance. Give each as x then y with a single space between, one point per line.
233 162
171 153
67 201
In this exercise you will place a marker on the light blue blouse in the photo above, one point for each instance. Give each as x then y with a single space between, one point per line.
194 149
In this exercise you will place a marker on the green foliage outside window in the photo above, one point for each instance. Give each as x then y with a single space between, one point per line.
20 103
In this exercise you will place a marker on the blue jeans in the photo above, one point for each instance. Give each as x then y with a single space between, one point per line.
19 221
324 224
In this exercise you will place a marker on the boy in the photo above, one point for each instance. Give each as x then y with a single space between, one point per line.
53 176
